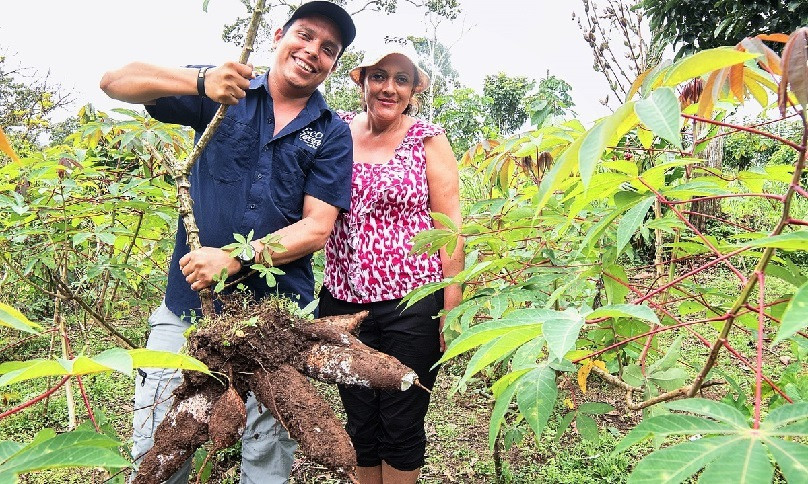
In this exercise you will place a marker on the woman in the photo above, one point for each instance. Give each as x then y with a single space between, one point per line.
403 169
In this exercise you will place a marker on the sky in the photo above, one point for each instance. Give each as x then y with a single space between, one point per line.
76 42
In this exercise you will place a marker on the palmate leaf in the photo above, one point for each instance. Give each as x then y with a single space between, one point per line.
731 451
675 464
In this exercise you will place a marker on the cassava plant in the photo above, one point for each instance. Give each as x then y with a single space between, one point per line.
554 284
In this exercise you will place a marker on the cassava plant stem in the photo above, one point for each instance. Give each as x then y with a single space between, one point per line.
761 265
181 170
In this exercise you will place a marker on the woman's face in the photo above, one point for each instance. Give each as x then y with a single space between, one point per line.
389 86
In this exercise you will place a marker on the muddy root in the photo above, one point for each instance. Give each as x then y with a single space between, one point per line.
305 415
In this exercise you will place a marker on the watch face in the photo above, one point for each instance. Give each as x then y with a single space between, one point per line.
247 256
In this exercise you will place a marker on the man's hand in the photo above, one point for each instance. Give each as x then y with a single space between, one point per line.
202 265
228 83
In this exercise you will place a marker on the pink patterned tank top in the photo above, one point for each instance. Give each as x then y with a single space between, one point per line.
367 256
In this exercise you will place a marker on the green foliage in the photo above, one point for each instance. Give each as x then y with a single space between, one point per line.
508 108
115 359
48 450
90 219
702 24
552 278
723 444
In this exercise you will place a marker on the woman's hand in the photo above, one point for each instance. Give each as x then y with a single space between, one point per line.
200 266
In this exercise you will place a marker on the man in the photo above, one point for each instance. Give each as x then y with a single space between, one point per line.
279 163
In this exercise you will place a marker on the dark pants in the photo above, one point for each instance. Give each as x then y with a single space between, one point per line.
389 425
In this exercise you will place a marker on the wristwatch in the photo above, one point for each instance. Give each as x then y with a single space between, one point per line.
246 256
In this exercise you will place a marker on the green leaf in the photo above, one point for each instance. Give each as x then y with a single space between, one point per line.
607 131
444 220
709 408
670 358
625 311
703 62
660 113
528 354
784 415
482 333
561 332
632 221
587 428
615 291
669 379
791 457
673 424
71 449
536 396
632 374
790 241
34 369
562 427
499 348
595 408
144 358
749 464
795 317
498 413
12 318
8 448
675 464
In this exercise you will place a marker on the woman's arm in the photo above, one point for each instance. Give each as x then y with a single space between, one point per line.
444 197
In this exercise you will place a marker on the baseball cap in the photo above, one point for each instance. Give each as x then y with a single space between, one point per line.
337 14
390 46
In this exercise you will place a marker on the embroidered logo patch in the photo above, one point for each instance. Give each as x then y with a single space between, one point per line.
312 138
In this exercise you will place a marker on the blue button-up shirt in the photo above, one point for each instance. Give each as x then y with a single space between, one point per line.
249 179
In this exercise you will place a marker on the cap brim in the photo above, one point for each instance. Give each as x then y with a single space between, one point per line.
337 14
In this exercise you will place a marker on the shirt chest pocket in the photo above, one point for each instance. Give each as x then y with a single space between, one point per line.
291 166
232 151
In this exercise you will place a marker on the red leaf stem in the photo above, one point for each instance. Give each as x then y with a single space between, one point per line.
691 273
41 397
771 196
748 129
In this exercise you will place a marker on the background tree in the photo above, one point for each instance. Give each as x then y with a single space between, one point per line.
616 33
339 90
509 101
27 101
552 99
693 25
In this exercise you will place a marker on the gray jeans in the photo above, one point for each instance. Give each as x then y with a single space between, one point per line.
267 452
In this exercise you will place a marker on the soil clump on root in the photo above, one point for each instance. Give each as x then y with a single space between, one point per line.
263 348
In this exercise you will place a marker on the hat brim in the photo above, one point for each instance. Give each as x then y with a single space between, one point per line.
356 72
